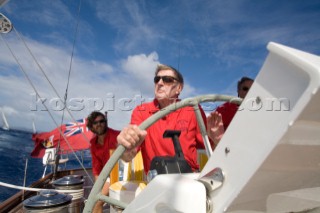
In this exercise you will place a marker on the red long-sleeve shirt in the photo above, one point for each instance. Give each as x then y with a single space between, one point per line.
101 153
155 145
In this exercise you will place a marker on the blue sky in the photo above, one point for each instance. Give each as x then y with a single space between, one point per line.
119 43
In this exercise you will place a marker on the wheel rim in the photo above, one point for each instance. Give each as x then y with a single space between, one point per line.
95 193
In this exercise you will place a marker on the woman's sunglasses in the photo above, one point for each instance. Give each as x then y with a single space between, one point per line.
99 122
166 79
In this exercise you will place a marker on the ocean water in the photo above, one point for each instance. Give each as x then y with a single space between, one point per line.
15 150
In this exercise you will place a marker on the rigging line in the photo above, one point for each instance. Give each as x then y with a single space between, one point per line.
180 34
70 66
68 81
72 55
57 157
45 75
32 85
38 189
25 176
74 120
84 136
179 51
73 46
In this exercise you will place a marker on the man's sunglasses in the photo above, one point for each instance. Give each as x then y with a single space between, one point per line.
166 79
99 122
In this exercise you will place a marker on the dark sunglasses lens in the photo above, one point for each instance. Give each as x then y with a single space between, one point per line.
245 88
97 122
156 79
167 79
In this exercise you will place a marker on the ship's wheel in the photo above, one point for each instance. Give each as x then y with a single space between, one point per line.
95 193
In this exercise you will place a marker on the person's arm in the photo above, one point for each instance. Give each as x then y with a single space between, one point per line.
96 165
131 136
129 154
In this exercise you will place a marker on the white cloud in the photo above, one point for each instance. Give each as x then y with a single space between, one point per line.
89 80
111 87
118 48
140 69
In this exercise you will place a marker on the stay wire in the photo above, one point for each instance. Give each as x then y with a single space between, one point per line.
68 81
50 114
39 66
72 55
45 75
